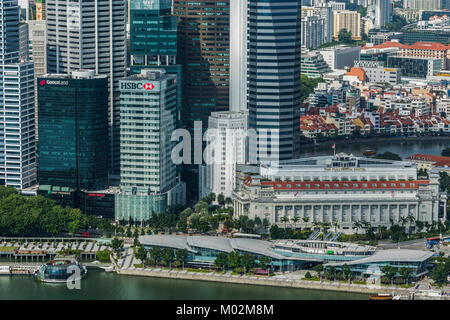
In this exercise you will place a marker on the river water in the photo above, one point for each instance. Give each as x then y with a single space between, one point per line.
403 148
110 286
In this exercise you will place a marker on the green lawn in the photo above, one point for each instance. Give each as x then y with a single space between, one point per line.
8 249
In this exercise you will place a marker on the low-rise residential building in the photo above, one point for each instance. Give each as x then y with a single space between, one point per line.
430 162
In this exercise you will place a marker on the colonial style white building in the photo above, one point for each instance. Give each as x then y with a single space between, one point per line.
340 189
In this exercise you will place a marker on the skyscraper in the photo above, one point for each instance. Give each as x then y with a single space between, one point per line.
73 125
204 52
38 55
269 74
91 35
382 13
148 176
17 127
153 39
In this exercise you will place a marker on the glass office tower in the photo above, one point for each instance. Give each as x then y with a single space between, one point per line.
73 126
204 52
148 177
153 40
17 127
273 77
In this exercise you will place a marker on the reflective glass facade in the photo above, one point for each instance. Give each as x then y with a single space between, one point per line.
73 126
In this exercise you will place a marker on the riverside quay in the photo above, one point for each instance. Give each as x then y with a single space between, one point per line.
290 255
340 189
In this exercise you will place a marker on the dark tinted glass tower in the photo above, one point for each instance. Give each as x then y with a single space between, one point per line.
73 124
273 78
204 52
153 40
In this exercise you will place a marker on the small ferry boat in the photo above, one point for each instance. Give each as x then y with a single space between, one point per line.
381 296
369 152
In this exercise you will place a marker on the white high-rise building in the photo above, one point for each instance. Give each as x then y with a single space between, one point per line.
313 31
422 4
238 55
37 54
91 35
382 13
17 127
228 141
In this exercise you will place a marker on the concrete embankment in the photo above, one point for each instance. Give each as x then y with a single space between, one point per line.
303 284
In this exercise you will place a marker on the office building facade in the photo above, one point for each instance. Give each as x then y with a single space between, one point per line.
148 176
74 130
17 127
204 52
90 35
273 78
349 20
228 142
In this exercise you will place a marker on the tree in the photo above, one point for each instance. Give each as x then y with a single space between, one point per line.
445 152
221 261
264 262
221 199
398 22
201 205
155 254
167 256
336 226
275 232
228 201
440 274
345 36
388 156
347 272
331 272
265 223
390 272
405 274
248 261
295 220
117 245
305 220
356 226
319 269
234 259
182 255
141 253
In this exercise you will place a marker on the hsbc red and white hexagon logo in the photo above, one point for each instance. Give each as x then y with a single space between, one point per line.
148 86
42 82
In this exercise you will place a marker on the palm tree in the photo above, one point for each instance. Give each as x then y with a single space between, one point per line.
305 220
403 222
316 224
295 220
336 226
411 220
285 219
326 226
356 225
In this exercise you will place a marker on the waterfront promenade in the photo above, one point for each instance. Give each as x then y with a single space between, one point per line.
280 280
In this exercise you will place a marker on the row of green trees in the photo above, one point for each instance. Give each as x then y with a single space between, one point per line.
37 215
166 257
240 263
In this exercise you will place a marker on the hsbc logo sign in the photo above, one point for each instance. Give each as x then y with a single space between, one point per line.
137 86
148 86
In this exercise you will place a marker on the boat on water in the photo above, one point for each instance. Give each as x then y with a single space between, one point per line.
369 152
381 296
